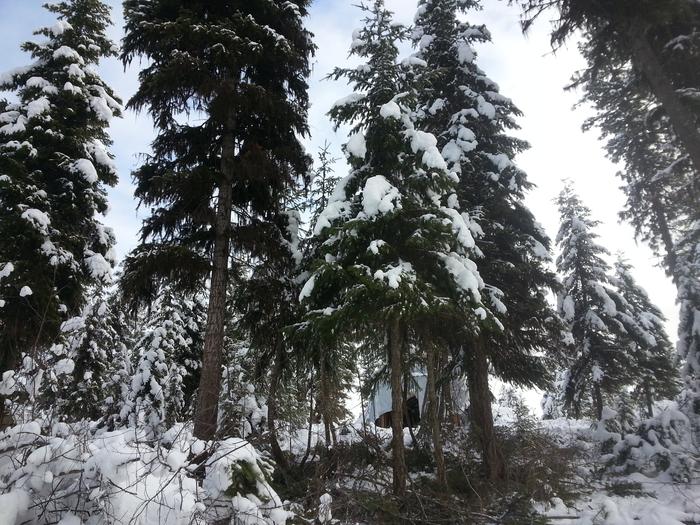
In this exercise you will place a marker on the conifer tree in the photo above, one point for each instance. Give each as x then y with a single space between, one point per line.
597 317
655 373
395 248
168 356
689 325
463 108
54 170
79 375
647 35
322 184
266 304
242 69
660 178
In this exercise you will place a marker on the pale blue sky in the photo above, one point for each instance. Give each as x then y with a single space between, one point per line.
524 67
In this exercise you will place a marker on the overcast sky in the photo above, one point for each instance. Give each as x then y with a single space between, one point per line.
524 67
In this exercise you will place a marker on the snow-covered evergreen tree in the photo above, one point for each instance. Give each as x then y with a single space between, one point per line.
54 168
168 359
241 68
600 328
322 184
79 381
463 108
688 266
655 375
397 249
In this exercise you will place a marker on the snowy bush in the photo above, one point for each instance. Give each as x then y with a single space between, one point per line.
660 444
71 474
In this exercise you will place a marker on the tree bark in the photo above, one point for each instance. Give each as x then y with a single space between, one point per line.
648 399
275 378
671 258
597 401
481 413
433 420
207 411
682 119
400 472
311 423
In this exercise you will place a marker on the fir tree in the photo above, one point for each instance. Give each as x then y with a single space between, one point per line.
689 325
322 184
660 177
242 69
647 35
463 108
600 324
266 304
168 354
395 250
80 369
54 168
655 375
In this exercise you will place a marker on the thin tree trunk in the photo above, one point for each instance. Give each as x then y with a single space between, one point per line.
648 399
311 423
400 472
433 421
682 119
597 401
275 378
407 419
207 411
662 223
481 413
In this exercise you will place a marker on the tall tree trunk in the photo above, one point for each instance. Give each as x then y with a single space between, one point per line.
275 378
400 472
311 423
648 399
481 413
207 411
431 419
682 119
671 258
597 401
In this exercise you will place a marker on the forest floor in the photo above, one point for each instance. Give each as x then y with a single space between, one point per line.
558 474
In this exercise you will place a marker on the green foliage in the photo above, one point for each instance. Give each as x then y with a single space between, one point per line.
235 70
513 250
244 480
54 170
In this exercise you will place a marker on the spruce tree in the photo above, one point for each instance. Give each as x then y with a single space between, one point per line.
239 71
54 170
655 375
660 178
598 319
463 108
395 248
647 35
266 304
689 325
167 358
322 185
80 369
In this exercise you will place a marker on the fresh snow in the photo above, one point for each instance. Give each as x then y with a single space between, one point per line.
350 99
87 169
68 53
37 107
390 110
379 196
356 145
38 218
